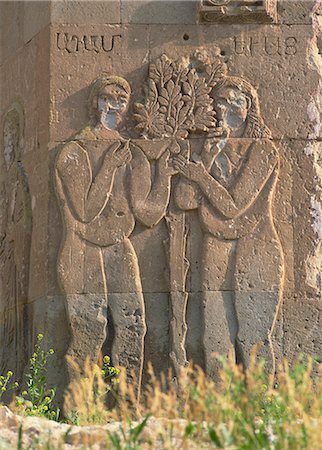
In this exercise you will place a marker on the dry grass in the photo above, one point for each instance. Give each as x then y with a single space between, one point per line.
245 410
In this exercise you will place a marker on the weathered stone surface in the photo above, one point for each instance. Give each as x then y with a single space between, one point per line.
171 185
39 432
157 11
85 12
227 11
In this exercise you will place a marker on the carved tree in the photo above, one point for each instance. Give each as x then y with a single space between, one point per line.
178 104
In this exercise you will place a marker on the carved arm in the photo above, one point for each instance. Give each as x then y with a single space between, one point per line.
86 197
149 201
262 159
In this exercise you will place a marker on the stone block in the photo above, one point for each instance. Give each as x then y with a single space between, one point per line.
302 327
85 12
36 16
159 11
295 12
11 18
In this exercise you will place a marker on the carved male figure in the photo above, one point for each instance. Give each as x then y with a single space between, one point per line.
104 185
233 187
15 240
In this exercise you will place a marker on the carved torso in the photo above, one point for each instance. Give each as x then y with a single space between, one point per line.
228 163
115 221
249 171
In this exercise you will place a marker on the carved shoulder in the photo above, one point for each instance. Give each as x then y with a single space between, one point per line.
73 159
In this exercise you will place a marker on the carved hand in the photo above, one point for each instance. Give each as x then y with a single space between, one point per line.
165 164
117 155
219 132
192 171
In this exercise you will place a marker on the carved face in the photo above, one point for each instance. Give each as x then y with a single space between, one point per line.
232 107
112 102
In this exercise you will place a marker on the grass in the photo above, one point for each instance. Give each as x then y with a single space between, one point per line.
244 410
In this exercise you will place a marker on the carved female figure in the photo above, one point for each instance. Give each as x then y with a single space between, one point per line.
234 180
104 185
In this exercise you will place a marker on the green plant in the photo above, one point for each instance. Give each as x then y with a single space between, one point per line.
6 383
109 372
37 399
128 439
85 400
245 410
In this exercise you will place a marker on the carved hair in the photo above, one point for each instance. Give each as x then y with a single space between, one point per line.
99 84
255 126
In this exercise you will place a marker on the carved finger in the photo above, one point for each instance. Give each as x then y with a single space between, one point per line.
175 160
123 154
114 147
182 159
128 157
179 164
183 170
217 131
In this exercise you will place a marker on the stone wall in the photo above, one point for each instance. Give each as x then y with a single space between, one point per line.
160 181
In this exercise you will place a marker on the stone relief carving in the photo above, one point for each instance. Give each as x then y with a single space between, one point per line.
15 245
104 185
234 181
230 179
203 147
177 104
236 11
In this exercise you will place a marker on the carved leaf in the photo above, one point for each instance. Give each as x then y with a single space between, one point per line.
204 119
152 92
182 134
172 122
177 99
163 101
186 87
186 98
170 87
183 114
164 93
162 71
169 130
215 73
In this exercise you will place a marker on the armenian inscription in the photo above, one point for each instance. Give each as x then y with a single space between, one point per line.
264 46
73 43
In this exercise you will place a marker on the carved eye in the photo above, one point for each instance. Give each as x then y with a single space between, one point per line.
241 101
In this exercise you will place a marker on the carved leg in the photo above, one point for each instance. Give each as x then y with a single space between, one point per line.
219 329
126 302
87 320
80 272
220 326
258 293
